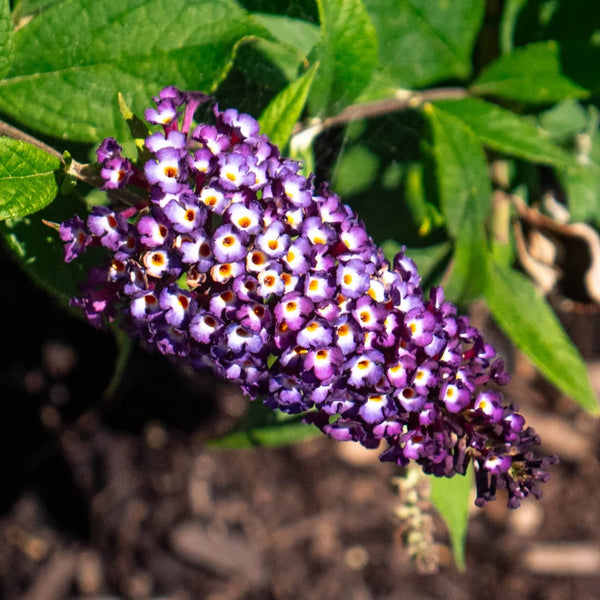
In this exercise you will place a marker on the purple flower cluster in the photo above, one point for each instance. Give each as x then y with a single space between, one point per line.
235 262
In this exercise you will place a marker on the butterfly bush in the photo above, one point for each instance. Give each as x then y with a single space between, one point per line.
233 260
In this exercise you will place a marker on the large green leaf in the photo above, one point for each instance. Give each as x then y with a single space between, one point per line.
283 112
507 132
71 61
6 37
451 496
27 178
423 41
347 53
295 40
465 198
531 324
532 74
298 35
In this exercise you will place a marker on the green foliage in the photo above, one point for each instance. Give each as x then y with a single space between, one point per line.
6 37
295 39
347 78
535 329
532 75
279 117
465 198
424 41
347 52
266 427
506 132
27 178
451 499
70 62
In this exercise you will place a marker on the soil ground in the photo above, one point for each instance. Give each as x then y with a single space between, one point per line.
121 498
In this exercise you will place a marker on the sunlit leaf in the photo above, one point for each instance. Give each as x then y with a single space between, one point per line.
507 132
532 74
283 112
6 37
355 171
71 61
465 198
531 324
422 41
27 178
347 53
451 497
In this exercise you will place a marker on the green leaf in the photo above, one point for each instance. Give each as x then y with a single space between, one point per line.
451 497
40 252
301 149
296 34
266 427
425 215
469 268
283 112
6 37
347 53
582 186
531 324
138 129
71 61
423 41
507 132
564 120
27 178
355 171
125 345
465 198
295 40
508 22
532 74
461 170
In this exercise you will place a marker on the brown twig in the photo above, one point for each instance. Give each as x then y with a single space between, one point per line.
83 172
16 134
404 99
582 231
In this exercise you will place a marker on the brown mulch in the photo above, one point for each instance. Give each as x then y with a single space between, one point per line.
121 498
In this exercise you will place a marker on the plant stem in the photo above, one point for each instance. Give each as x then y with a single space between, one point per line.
83 172
16 134
401 101
303 133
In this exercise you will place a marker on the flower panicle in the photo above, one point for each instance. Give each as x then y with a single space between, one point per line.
238 263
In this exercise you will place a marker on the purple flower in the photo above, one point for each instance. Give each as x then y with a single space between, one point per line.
234 261
108 227
108 149
76 236
167 170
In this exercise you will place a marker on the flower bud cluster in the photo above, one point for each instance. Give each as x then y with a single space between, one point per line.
237 263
